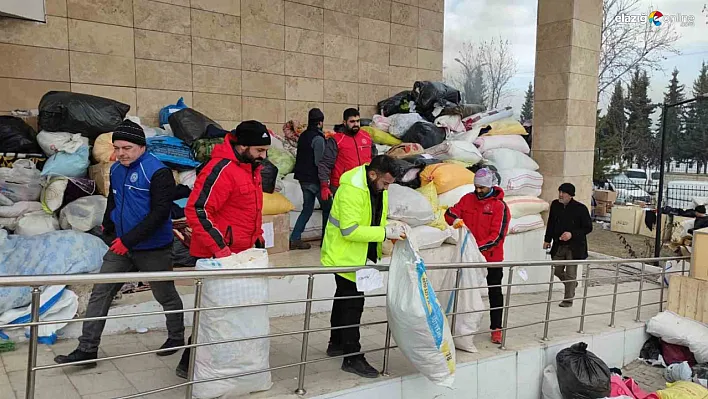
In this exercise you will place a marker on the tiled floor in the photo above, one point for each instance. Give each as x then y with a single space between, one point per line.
140 374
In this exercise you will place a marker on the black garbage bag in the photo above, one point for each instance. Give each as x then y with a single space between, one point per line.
269 175
581 374
428 95
365 122
190 125
214 131
61 111
424 133
181 256
651 350
408 170
17 136
397 104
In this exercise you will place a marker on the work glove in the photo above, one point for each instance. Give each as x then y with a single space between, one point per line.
224 252
325 192
458 224
118 248
395 231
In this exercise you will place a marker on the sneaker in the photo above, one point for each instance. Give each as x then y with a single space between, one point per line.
334 350
298 245
359 366
497 336
566 304
181 371
78 356
170 343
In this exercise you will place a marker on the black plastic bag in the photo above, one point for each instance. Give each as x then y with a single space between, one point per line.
61 111
214 131
424 133
396 104
581 374
365 122
190 125
17 136
428 95
651 350
269 175
408 170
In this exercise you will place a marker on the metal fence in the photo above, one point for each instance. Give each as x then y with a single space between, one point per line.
36 282
676 195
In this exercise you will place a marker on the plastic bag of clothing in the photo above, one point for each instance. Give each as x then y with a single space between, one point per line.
400 123
231 324
424 133
168 110
103 148
283 160
429 95
54 142
380 122
61 111
381 137
417 321
683 390
17 136
35 223
405 150
269 175
678 372
21 182
677 330
172 151
84 213
651 350
409 206
581 374
396 104
276 204
203 147
190 125
19 209
68 164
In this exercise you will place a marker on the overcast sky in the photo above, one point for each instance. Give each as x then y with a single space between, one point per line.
515 20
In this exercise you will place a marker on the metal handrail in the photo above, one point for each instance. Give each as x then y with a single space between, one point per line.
35 282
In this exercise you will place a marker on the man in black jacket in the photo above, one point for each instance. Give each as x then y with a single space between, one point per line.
701 219
569 224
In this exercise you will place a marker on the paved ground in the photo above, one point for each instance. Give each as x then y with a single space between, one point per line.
649 378
622 245
140 374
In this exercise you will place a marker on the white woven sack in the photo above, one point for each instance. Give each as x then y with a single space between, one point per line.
84 213
400 123
227 324
525 205
409 206
512 142
452 197
516 182
525 223
426 237
456 150
505 158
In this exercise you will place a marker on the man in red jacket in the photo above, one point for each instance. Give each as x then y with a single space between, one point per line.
343 152
486 215
224 208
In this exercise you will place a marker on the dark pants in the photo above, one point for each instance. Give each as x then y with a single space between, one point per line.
326 208
496 298
159 260
310 191
346 312
568 272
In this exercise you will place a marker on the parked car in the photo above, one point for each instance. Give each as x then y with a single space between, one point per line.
628 190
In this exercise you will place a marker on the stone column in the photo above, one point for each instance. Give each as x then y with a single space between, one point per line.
565 104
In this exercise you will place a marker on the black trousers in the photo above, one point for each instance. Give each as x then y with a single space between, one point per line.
496 298
346 312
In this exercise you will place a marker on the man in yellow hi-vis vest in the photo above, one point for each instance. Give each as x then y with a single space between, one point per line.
356 228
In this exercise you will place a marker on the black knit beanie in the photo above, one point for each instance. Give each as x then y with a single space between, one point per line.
129 131
567 188
251 133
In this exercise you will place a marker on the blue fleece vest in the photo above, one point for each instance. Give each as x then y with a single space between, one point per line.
131 191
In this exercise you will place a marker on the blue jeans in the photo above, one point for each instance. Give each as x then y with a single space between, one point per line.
310 191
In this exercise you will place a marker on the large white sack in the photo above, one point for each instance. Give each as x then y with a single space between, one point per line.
4 201
505 158
400 123
19 209
416 319
525 223
188 177
291 189
9 223
21 182
550 388
489 116
678 330
227 324
52 196
56 303
525 205
84 213
53 142
453 123
313 228
456 149
452 197
35 223
409 206
426 237
68 164
518 182
467 300
512 142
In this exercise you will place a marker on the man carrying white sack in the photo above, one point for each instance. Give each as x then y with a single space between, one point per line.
356 228
569 224
486 215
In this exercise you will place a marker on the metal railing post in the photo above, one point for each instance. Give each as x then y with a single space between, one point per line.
641 288
305 337
387 346
455 295
505 309
586 282
548 304
198 284
34 336
614 296
661 283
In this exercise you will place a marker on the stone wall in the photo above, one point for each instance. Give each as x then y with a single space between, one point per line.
269 60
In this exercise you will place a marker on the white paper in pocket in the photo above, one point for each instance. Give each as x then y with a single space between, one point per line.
368 280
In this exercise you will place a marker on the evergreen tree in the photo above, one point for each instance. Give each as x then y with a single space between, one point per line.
697 122
639 109
678 147
619 145
527 108
475 89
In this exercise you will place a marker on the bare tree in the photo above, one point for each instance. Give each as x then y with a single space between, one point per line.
630 45
487 68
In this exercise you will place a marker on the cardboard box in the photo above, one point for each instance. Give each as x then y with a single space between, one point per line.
604 196
644 230
101 174
603 208
276 232
626 219
699 258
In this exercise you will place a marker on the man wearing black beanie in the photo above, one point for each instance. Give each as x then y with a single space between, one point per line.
569 224
138 228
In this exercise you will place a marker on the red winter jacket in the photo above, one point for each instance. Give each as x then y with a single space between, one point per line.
344 153
487 219
224 208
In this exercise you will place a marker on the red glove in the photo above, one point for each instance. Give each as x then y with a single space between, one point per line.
325 192
223 253
118 248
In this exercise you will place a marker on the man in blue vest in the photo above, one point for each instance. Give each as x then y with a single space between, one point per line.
138 227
